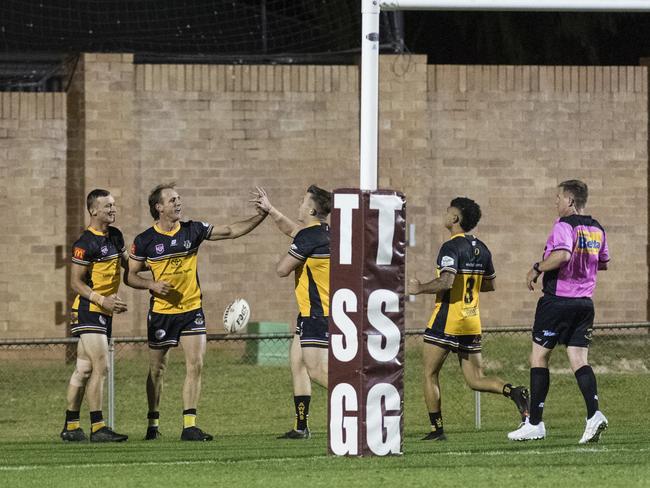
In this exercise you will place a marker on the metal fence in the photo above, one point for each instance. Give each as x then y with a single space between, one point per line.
31 370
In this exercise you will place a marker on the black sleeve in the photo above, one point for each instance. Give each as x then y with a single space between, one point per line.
448 258
302 245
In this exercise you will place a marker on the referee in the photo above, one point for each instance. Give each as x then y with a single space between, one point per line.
575 251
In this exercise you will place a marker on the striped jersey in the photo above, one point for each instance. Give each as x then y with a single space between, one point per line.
172 257
585 239
101 254
311 245
457 310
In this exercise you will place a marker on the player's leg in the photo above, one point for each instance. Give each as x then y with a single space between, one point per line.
194 349
433 357
72 430
301 392
158 359
96 348
471 364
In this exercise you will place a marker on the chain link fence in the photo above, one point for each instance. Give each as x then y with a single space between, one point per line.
249 373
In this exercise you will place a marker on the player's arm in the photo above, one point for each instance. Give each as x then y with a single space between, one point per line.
488 285
134 280
287 265
443 283
236 229
284 223
113 303
555 260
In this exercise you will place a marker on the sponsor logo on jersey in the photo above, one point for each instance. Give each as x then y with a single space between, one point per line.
447 261
104 250
589 242
78 252
173 242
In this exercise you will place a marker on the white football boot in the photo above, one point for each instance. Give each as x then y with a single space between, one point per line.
528 432
596 425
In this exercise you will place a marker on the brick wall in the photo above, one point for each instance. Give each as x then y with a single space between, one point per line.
33 207
500 134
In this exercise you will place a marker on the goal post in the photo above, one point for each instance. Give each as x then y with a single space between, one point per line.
368 267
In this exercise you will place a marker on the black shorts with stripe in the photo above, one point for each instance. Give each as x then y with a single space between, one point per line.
86 322
454 343
561 320
313 331
165 329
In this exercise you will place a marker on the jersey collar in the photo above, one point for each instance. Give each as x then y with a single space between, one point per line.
96 232
170 233
462 234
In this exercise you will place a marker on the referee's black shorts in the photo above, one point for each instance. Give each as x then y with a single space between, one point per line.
561 320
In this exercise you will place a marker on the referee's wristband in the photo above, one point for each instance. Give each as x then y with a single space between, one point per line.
536 268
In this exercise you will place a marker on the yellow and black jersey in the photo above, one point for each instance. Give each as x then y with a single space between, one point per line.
172 257
312 246
101 253
457 310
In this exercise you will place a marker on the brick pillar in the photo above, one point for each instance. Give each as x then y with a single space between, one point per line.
103 152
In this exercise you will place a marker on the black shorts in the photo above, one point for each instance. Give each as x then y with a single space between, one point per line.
313 331
86 322
454 343
165 329
560 320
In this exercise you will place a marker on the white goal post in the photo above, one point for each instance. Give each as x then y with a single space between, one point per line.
370 52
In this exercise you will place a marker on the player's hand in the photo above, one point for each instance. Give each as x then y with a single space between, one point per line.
413 287
161 288
114 304
531 279
261 200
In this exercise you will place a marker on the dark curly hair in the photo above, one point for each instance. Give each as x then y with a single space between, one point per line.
470 212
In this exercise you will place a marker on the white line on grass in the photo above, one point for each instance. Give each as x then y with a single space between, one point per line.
586 450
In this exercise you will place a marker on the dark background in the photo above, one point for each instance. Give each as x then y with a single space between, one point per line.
38 37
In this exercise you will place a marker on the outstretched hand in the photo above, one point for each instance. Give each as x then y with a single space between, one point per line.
261 200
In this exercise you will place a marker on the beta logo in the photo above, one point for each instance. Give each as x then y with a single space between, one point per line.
589 242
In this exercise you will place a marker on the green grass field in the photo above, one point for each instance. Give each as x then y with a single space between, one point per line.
246 406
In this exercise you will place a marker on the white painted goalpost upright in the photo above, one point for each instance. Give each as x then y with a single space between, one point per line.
370 52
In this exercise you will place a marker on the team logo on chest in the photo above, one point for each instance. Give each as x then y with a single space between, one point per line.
104 250
160 248
187 244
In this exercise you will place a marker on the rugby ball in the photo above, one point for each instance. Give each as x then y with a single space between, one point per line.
236 315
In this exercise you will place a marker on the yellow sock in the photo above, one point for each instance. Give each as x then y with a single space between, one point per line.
98 425
72 425
154 422
189 421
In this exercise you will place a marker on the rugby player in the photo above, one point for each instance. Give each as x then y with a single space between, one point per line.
464 270
309 259
97 257
169 250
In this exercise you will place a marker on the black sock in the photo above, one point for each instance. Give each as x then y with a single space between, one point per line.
587 384
436 422
71 415
153 418
71 420
539 382
97 420
302 411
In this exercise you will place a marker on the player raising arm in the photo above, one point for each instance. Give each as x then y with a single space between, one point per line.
309 259
169 250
